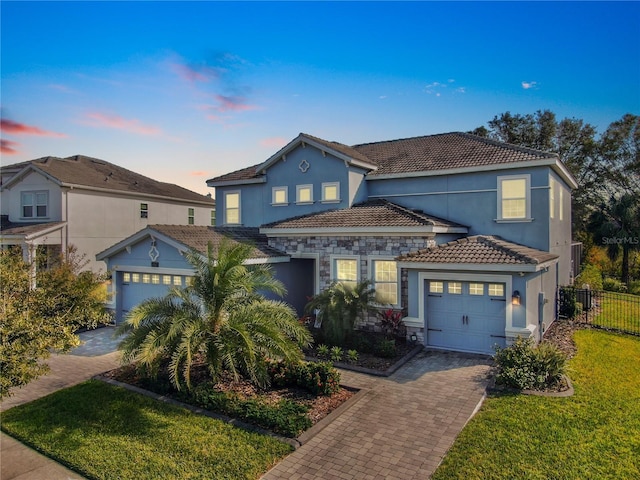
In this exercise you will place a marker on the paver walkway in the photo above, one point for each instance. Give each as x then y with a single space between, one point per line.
401 429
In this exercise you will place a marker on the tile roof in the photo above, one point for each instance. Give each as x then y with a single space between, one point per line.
199 237
374 213
480 249
429 153
8 228
96 173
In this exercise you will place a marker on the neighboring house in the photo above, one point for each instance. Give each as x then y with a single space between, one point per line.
51 203
469 237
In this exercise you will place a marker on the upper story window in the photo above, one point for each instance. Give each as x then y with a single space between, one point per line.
345 270
191 216
514 197
304 194
279 196
331 192
213 218
232 208
385 281
144 210
35 204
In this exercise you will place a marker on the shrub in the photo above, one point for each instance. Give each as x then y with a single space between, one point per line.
391 322
386 348
317 378
614 285
527 367
352 356
634 288
323 351
336 354
590 275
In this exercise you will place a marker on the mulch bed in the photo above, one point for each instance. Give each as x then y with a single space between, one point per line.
560 334
368 360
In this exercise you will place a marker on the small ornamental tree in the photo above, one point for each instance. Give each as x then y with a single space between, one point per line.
35 321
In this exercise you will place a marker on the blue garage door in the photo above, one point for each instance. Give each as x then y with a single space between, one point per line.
136 287
465 316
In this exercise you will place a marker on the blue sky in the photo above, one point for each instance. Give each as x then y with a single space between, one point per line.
186 91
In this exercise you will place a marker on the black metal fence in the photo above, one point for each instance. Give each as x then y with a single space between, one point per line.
609 310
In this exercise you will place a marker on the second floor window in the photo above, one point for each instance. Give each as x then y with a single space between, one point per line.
35 204
279 196
513 197
331 192
191 217
144 210
304 194
232 208
213 217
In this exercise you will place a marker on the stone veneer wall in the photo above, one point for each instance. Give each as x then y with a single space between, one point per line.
363 247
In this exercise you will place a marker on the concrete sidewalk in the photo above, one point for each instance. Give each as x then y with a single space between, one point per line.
19 462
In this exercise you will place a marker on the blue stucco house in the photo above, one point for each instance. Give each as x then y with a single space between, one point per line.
469 237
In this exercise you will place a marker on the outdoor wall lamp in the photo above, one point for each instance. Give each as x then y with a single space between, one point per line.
515 299
413 337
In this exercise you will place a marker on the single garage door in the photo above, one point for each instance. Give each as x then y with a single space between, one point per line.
136 287
465 316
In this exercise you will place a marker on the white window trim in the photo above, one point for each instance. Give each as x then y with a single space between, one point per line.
373 258
34 206
333 258
286 196
300 187
238 192
331 184
527 188
552 197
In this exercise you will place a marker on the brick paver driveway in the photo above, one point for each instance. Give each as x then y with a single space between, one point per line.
402 427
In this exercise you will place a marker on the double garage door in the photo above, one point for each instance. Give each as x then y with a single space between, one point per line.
465 316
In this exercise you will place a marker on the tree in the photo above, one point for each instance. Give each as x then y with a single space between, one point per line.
35 321
617 224
221 319
340 305
620 151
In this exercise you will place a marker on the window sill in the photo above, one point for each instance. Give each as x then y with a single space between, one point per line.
280 204
513 220
304 203
331 201
32 219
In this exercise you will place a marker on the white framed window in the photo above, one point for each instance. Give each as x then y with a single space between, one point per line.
280 196
454 288
213 218
331 192
191 216
514 197
146 278
135 277
177 280
166 279
126 277
476 288
552 197
496 290
232 214
34 204
385 281
304 194
155 279
144 210
436 287
345 270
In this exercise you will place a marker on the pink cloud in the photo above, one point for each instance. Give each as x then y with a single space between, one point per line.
199 173
15 128
273 142
7 147
98 119
232 104
195 74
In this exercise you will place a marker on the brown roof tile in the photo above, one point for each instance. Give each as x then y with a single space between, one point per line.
480 249
96 173
199 237
374 213
8 228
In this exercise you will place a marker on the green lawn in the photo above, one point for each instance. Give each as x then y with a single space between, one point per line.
619 311
594 434
107 432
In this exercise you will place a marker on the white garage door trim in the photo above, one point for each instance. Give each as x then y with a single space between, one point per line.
464 277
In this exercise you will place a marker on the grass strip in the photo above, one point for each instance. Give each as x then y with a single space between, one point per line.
594 434
106 432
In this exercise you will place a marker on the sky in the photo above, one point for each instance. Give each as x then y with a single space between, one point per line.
186 91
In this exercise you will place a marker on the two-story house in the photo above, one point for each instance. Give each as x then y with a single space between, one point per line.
468 236
51 203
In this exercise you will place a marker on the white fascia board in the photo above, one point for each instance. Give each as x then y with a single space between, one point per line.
125 193
147 269
360 231
564 173
233 183
46 231
137 237
549 161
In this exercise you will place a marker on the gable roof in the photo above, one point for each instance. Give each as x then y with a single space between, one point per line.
92 173
374 216
482 250
25 231
425 155
186 237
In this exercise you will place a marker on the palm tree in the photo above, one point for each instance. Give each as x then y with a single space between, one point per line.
340 305
220 319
